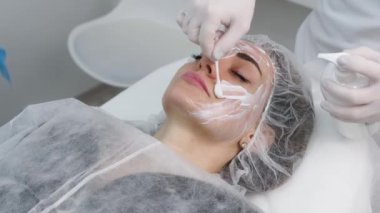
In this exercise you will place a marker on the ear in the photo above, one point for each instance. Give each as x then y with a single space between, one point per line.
268 138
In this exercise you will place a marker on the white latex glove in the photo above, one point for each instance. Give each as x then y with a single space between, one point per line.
361 105
201 19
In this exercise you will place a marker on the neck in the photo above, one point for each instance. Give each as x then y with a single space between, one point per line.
189 142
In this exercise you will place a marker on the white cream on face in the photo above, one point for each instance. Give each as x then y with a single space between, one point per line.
231 118
229 107
236 110
225 90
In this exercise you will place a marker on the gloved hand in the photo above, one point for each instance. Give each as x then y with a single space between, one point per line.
360 105
201 20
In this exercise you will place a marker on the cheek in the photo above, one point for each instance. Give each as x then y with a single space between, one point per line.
230 119
227 120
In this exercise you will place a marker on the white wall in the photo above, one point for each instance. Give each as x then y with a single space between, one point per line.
279 19
34 33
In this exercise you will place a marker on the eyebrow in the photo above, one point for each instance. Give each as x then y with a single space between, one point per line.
250 59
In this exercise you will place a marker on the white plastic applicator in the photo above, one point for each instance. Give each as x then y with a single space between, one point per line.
218 87
239 93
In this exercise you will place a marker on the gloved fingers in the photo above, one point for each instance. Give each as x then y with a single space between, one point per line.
228 40
207 36
359 64
357 114
180 17
349 96
366 52
185 23
183 20
193 30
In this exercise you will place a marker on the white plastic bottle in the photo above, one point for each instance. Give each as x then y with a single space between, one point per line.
348 79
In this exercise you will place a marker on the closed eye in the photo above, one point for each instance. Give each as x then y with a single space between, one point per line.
240 77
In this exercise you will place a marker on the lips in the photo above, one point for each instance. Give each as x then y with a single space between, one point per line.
196 80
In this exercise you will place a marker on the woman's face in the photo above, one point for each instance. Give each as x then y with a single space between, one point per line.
190 95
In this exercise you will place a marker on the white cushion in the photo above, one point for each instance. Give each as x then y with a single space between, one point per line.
333 177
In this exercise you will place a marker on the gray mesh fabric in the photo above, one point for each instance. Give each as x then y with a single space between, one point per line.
64 156
289 113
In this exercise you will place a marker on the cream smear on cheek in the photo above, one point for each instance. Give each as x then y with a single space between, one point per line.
230 119
229 109
236 108
224 89
236 102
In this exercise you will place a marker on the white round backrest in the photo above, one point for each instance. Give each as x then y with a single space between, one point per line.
137 37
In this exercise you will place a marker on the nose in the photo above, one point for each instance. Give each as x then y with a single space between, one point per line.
208 66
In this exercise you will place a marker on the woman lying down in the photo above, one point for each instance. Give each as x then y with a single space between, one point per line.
213 146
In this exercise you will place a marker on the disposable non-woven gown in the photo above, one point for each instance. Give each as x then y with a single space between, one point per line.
64 156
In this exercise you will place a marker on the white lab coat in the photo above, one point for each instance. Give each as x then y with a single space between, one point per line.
339 24
334 26
64 156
